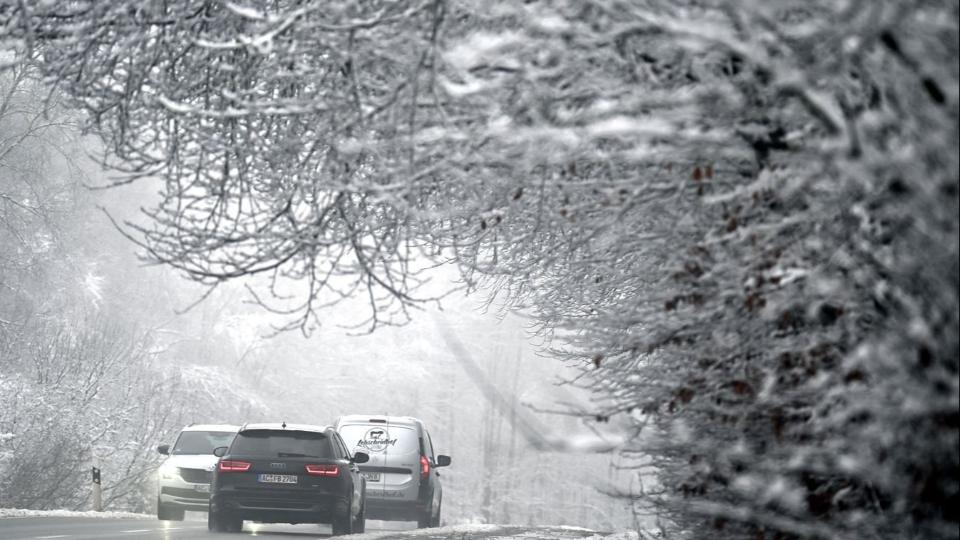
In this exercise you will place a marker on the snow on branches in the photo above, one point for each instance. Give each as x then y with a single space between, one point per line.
284 135
741 217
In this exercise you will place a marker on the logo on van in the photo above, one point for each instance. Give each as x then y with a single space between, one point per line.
376 440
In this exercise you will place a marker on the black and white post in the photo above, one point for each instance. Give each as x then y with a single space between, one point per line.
97 494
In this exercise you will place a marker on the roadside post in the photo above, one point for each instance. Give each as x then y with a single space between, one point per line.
97 494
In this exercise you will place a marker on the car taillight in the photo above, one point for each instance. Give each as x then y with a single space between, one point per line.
233 466
329 471
424 467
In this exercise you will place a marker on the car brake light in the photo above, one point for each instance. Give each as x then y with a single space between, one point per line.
233 466
329 471
424 467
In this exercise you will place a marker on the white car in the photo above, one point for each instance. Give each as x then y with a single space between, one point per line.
184 477
402 479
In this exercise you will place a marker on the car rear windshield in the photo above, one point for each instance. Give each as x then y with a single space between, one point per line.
274 443
201 442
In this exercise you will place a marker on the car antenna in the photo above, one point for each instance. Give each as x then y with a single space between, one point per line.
284 425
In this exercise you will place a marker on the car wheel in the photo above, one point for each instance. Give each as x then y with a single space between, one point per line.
435 521
167 513
342 518
423 520
233 524
360 525
215 523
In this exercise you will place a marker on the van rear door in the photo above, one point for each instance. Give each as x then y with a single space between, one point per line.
401 479
394 458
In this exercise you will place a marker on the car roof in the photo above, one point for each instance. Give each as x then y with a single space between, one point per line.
379 419
211 427
283 426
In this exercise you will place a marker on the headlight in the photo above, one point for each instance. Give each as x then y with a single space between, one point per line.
167 472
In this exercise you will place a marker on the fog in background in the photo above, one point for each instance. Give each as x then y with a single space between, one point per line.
195 356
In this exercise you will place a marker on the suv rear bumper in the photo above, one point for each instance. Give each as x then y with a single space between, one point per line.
316 509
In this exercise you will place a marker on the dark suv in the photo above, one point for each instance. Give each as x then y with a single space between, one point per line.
280 473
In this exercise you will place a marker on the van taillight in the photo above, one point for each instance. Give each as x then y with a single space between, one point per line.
330 471
424 467
233 466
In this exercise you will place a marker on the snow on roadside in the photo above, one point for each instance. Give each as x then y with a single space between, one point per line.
491 531
19 512
629 535
473 528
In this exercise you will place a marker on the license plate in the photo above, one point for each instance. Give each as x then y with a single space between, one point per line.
371 476
277 478
202 488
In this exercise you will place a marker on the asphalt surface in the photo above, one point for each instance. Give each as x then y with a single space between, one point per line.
82 528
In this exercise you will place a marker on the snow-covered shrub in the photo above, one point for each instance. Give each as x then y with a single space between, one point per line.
745 224
740 217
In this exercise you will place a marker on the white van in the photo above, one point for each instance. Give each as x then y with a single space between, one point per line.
402 479
184 477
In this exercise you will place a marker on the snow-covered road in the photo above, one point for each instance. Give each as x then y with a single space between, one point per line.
61 527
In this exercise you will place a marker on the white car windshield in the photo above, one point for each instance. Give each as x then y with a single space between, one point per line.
201 442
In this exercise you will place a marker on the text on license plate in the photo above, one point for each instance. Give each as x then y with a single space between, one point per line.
202 488
277 478
371 476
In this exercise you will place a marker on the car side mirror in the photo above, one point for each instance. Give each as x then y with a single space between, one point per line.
220 451
164 449
443 461
361 457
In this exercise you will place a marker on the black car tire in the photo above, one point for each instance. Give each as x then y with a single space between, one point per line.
342 518
234 523
435 521
424 519
360 525
217 522
214 523
167 513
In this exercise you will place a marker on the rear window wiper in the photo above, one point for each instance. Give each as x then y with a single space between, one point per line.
293 454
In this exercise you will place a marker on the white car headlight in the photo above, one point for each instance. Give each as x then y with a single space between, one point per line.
168 472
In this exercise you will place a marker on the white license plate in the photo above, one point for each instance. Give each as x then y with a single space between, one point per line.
277 478
371 476
202 488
